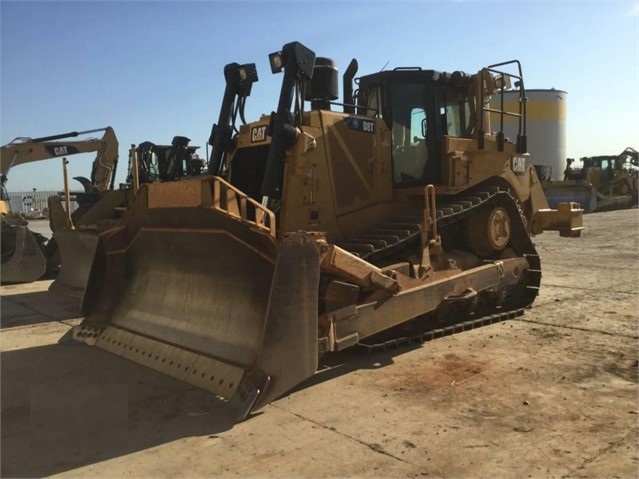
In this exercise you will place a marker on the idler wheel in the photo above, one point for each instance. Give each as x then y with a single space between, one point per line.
488 231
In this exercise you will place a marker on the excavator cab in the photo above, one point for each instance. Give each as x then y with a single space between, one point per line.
318 230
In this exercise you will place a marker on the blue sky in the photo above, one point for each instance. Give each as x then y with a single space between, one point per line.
153 70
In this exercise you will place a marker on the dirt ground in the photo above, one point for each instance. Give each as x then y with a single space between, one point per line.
551 394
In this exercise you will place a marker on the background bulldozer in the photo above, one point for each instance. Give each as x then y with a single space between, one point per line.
402 216
77 236
164 162
601 183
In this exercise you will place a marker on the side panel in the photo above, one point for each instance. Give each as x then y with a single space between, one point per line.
338 175
308 191
465 166
359 163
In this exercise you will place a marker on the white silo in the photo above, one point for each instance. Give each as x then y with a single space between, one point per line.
545 127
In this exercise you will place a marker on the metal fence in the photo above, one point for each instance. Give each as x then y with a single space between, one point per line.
34 203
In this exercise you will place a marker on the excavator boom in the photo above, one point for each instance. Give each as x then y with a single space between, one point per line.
27 150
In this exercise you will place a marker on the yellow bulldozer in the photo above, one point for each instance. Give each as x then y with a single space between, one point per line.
25 255
600 183
403 216
77 236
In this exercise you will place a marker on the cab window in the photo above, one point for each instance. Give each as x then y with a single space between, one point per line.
409 128
457 111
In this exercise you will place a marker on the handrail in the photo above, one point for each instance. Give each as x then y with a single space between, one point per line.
521 114
233 202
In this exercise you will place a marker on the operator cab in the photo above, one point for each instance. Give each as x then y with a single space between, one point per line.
419 107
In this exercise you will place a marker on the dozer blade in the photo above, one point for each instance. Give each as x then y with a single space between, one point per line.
22 258
77 246
583 194
208 300
77 249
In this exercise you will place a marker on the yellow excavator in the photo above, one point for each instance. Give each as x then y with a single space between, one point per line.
27 256
404 216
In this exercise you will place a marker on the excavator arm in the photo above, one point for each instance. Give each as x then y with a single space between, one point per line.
27 150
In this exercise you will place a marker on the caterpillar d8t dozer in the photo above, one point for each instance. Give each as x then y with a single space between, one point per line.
400 217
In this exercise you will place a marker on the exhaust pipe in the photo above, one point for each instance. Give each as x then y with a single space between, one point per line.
349 74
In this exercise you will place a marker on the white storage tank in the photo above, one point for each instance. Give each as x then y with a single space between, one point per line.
545 127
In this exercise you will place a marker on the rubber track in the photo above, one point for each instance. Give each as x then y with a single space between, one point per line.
398 232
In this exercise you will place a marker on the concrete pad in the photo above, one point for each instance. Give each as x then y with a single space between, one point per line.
550 394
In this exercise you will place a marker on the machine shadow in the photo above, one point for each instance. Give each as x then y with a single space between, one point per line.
37 307
65 407
341 363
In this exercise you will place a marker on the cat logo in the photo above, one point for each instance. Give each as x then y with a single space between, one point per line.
258 133
60 150
518 165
